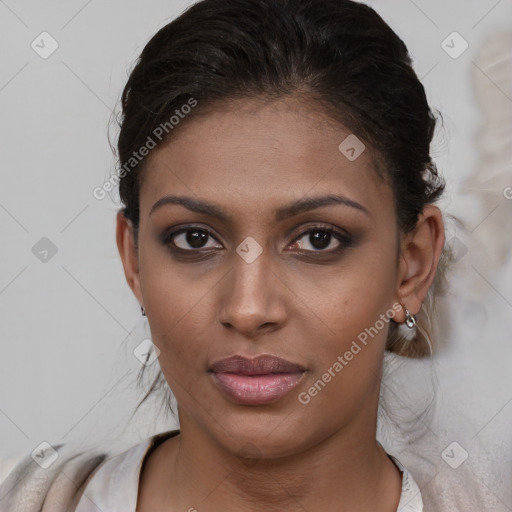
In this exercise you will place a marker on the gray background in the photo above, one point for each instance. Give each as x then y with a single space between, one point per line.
69 325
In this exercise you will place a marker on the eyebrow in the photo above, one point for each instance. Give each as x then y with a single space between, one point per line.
294 208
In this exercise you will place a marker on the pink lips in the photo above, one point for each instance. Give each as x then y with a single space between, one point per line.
256 381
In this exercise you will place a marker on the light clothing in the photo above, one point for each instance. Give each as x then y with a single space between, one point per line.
97 482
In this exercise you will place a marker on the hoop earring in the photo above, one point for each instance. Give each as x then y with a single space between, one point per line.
410 320
143 311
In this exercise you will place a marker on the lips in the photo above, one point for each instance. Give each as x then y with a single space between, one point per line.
256 381
261 365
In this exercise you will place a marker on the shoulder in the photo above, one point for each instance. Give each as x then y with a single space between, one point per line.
54 479
51 479
115 486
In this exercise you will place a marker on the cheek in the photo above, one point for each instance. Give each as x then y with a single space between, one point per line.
347 304
177 307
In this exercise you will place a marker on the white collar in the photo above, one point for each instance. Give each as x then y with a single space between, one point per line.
410 499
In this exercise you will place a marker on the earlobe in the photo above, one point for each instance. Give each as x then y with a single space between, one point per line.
420 253
126 247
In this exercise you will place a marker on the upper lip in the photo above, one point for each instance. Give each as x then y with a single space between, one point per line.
261 365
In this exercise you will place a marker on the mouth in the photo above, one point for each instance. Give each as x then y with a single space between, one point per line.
255 381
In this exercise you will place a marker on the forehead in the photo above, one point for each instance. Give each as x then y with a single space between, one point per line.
263 153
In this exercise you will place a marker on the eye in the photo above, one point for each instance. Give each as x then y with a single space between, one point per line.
190 238
320 238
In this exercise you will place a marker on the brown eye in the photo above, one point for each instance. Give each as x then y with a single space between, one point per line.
189 239
324 239
320 239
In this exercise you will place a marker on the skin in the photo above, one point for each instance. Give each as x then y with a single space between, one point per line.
292 301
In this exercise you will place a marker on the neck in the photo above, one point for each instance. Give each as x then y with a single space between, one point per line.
348 471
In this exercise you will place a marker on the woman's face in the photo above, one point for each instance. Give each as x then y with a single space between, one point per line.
259 273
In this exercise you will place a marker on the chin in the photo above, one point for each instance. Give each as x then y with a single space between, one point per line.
263 435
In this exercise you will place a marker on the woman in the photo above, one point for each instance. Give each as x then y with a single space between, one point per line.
280 233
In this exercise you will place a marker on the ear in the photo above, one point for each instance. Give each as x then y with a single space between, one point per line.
126 246
420 253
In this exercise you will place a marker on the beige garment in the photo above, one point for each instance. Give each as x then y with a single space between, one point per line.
95 481
57 488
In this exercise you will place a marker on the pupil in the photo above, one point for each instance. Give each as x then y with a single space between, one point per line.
196 238
319 239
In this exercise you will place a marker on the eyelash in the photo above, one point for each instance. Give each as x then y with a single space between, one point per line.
344 240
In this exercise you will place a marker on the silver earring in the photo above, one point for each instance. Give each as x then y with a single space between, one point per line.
410 320
143 311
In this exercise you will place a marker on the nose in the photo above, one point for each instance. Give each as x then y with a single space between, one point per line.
253 298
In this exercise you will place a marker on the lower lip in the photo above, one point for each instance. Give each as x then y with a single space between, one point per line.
256 389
